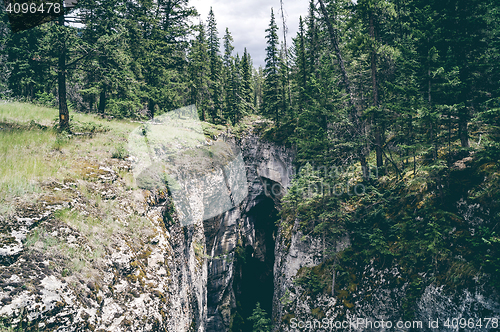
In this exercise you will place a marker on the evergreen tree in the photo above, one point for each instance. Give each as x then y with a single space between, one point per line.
213 41
29 62
215 84
109 67
246 81
4 67
284 83
300 62
271 94
228 48
312 40
199 72
228 77
237 111
370 13
260 322
257 85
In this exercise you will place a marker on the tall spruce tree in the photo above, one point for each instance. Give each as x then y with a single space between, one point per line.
257 86
312 40
199 72
300 64
215 63
271 94
228 65
238 110
246 82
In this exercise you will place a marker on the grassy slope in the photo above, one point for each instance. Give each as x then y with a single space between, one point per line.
33 155
31 151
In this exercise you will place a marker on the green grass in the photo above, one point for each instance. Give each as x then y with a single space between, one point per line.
30 154
25 155
25 112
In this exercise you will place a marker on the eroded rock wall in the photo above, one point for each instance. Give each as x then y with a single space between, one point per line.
268 168
380 294
113 264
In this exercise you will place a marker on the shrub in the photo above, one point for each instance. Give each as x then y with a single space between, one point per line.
120 152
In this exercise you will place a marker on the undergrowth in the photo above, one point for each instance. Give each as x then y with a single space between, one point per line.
414 223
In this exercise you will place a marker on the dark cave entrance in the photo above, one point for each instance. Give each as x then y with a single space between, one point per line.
254 278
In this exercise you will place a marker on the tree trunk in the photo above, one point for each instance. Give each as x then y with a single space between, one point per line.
287 77
151 108
333 282
378 134
61 83
462 128
102 100
333 38
429 99
449 138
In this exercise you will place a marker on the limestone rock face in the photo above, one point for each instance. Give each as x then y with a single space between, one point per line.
114 264
268 171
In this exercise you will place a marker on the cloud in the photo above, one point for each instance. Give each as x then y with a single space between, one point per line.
248 20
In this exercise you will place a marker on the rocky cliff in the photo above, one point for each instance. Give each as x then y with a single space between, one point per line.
247 232
375 296
97 254
374 303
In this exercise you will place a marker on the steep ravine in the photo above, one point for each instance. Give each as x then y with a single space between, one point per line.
241 241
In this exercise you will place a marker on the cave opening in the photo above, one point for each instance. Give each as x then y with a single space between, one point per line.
254 278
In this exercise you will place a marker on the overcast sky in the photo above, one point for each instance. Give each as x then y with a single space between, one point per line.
248 20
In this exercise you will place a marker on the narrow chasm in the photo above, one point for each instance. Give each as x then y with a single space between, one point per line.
253 281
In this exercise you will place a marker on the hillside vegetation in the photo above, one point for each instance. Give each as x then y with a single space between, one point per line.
33 151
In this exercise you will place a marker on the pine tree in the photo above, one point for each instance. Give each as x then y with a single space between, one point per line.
369 14
237 112
271 95
246 81
301 66
228 65
228 48
215 63
312 40
199 72
5 69
260 322
109 67
257 86
284 83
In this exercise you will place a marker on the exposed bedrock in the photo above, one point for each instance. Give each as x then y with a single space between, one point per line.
241 241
